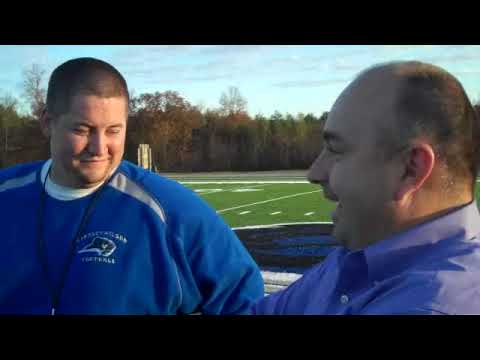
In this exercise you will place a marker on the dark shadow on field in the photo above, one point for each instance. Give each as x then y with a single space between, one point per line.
289 247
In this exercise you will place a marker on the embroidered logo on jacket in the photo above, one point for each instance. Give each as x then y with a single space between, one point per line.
100 246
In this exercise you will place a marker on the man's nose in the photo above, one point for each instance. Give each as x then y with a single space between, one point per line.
318 172
97 144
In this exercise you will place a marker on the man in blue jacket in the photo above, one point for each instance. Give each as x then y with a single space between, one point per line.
88 233
399 159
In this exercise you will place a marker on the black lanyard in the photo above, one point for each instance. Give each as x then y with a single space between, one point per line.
56 293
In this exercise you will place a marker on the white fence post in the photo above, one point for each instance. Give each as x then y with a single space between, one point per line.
144 154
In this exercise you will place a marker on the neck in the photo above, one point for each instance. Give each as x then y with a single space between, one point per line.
418 212
429 207
431 215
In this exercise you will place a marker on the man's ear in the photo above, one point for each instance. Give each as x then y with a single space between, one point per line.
45 122
418 164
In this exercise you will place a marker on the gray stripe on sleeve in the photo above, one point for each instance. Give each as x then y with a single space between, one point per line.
18 182
127 186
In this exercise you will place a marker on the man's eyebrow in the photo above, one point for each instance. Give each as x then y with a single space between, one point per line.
81 123
88 124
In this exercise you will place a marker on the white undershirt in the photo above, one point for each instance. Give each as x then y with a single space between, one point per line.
60 192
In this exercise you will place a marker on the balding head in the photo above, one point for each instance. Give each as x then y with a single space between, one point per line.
431 103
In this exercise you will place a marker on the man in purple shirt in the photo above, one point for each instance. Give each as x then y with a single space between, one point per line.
399 159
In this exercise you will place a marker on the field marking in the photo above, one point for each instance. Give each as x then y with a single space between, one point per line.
245 182
248 189
276 212
244 212
213 191
309 213
282 224
206 191
266 201
220 190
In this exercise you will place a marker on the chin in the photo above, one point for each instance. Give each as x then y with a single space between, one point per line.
90 180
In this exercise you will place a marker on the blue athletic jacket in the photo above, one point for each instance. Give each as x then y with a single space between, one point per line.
147 246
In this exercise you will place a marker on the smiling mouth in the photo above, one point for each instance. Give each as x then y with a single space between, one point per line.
93 161
94 164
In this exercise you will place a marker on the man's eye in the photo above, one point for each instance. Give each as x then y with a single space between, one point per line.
331 150
114 130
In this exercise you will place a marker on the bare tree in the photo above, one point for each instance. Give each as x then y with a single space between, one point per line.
232 102
34 90
8 104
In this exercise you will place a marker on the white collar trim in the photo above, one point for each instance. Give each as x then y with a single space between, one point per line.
60 192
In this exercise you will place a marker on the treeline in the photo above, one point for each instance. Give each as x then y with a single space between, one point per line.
21 139
184 137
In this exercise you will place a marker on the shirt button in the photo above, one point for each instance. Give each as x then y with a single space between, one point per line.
344 299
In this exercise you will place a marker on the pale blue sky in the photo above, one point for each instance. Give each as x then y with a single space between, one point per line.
286 78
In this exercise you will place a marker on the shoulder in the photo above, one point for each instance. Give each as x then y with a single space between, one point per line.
455 277
19 175
173 198
442 292
444 279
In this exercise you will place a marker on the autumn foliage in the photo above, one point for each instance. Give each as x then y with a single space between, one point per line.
183 138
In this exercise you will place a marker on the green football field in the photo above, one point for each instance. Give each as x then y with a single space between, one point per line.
257 199
263 204
263 201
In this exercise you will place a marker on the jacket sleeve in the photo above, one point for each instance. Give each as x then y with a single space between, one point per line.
218 275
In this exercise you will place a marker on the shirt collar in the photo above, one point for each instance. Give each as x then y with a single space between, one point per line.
64 193
401 250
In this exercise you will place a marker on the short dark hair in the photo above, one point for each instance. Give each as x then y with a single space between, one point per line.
87 76
431 102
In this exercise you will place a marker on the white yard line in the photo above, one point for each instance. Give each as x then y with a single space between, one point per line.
244 212
246 182
266 201
220 190
248 187
282 224
276 212
211 192
255 185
